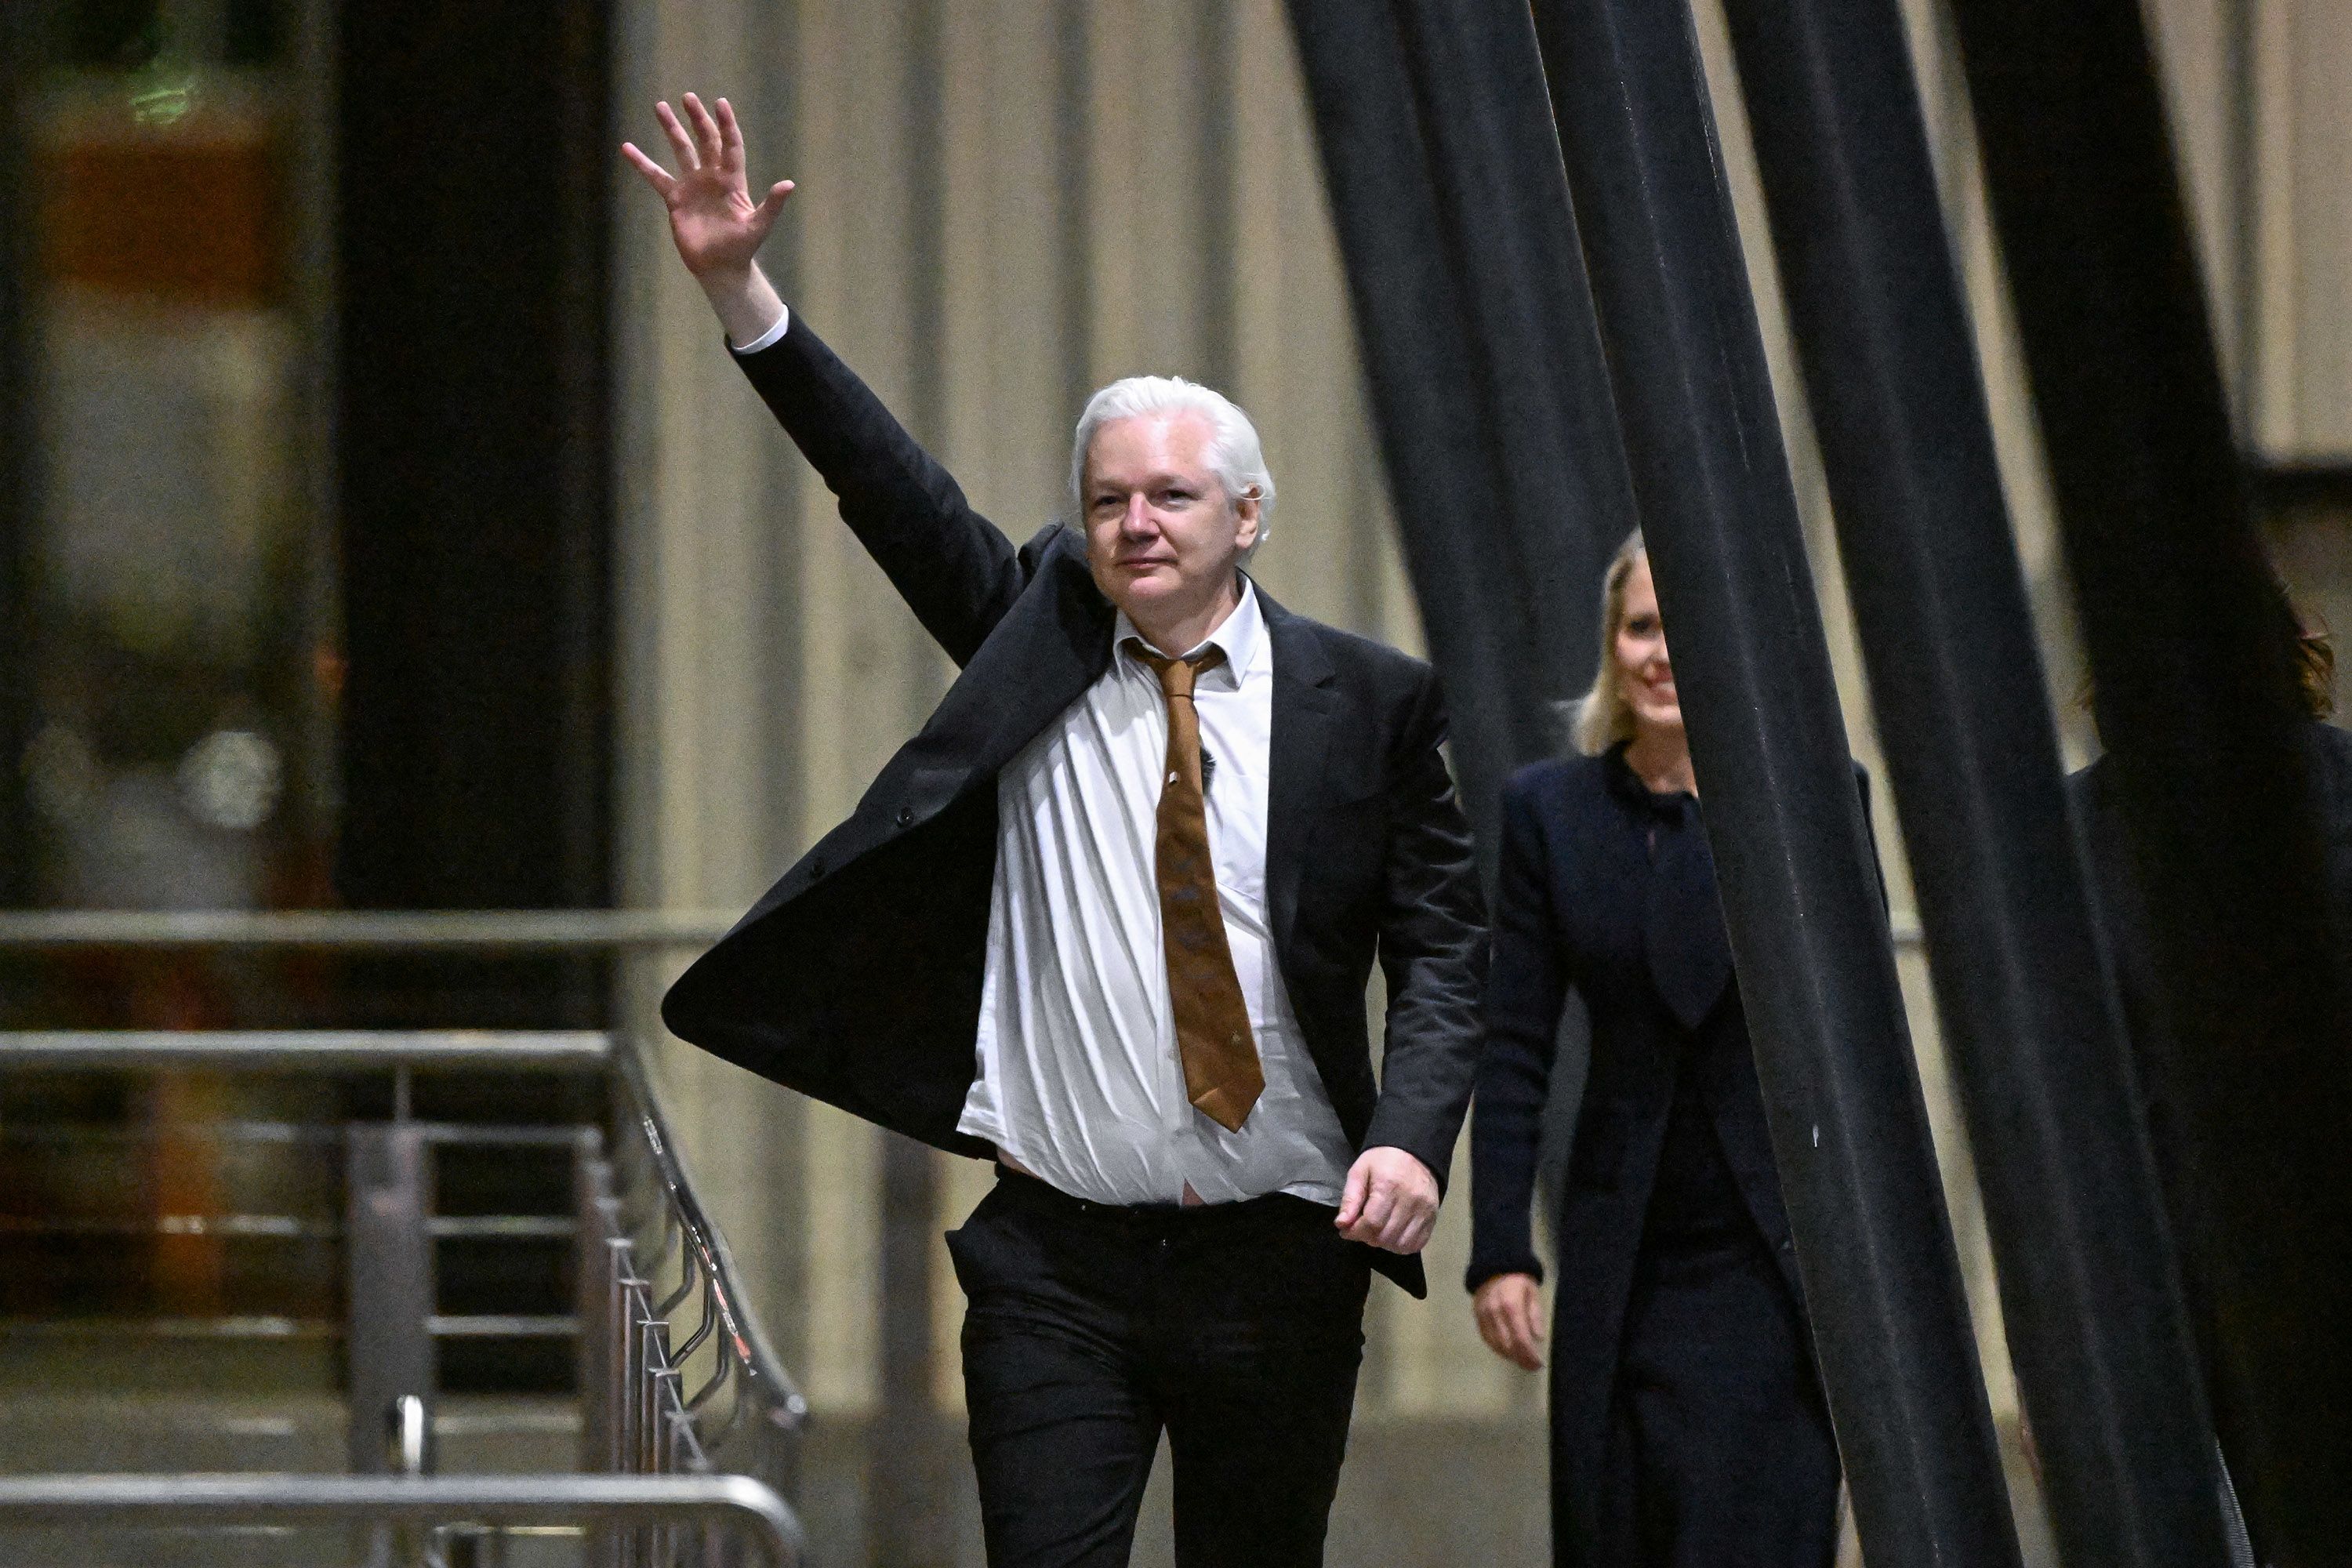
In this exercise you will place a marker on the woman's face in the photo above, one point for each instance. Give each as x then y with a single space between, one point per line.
1643 672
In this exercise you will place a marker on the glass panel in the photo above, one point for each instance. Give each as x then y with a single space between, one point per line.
184 664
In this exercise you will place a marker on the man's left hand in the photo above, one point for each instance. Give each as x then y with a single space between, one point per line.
1391 1202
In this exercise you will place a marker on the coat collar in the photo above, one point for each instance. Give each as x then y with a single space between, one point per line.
1682 936
1054 645
1240 636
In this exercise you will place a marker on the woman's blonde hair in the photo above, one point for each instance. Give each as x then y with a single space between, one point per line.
1605 717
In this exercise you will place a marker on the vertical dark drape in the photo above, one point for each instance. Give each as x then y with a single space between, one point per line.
2189 642
1484 362
1800 897
473 167
2088 1288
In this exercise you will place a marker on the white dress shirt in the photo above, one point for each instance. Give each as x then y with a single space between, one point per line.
766 339
1079 1078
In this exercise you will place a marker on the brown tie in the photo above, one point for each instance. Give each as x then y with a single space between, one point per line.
1222 1077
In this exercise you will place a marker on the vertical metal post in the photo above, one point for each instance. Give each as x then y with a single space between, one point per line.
2243 1009
592 1293
2089 1289
1480 354
1800 896
390 1282
1547 421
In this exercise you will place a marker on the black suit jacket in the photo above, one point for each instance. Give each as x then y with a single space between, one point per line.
857 978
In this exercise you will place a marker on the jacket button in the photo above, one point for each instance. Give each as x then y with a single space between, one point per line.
816 870
905 815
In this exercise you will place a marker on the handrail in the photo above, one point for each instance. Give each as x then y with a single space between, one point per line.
478 930
215 1502
308 1050
426 931
760 1362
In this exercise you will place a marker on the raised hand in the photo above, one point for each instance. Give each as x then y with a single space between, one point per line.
717 226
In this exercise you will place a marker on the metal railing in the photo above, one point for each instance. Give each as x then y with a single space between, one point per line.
677 1384
459 1519
466 931
657 1404
405 930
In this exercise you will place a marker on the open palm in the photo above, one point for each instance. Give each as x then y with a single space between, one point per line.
716 226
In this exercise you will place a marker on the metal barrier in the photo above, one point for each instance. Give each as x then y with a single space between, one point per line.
650 1397
452 1512
667 1410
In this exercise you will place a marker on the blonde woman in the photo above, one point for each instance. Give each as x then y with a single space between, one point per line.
1688 1428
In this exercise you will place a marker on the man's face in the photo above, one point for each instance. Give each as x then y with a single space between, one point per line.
1162 538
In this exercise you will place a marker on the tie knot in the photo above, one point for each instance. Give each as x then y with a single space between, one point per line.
1177 675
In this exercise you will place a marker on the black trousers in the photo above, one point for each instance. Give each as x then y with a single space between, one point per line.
1089 1329
1720 1452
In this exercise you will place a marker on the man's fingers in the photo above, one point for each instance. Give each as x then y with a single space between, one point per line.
1417 1231
679 141
655 175
707 140
731 139
1351 1197
768 210
1379 1202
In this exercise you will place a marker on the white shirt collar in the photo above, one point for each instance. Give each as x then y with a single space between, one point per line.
1242 634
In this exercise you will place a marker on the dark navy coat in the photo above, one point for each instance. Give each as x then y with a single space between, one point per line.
1580 902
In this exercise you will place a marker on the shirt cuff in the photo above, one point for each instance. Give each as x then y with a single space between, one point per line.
767 339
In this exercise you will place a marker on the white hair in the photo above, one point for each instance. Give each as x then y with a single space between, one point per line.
1234 454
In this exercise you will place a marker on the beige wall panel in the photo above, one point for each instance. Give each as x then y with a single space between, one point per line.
1008 433
700 643
2277 270
869 672
2320 159
700 577
1145 95
1296 366
1006 430
2193 47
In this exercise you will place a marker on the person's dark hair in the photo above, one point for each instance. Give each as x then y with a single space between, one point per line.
2314 666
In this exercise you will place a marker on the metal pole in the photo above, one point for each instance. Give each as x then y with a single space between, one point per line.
1548 418
1800 896
2089 1289
390 1267
1465 334
2240 1009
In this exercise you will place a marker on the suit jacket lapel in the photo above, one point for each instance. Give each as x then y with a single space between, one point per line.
1055 654
1051 645
1304 707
